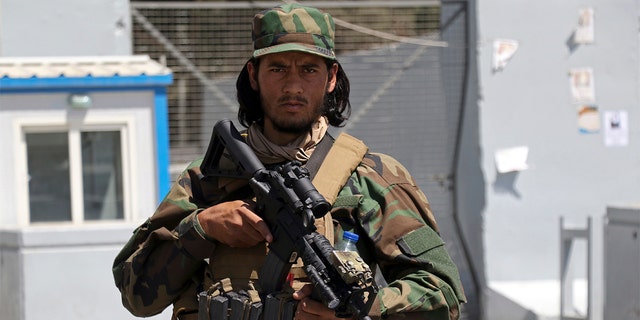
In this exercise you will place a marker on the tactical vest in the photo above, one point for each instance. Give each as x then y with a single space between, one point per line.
241 265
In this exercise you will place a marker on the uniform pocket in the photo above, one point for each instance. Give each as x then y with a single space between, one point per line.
419 241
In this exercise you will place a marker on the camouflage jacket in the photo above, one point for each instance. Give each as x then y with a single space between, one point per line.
164 261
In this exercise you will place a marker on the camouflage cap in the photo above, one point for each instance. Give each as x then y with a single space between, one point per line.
293 27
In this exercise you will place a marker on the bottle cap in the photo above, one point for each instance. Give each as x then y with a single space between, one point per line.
350 236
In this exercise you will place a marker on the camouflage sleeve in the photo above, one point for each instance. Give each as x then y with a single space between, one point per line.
165 255
382 202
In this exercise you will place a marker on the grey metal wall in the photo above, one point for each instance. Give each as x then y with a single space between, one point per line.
528 103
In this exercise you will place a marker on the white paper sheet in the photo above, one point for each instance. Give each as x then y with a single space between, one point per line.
512 159
616 128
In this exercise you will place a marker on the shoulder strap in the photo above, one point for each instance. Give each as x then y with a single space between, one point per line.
343 158
345 155
319 154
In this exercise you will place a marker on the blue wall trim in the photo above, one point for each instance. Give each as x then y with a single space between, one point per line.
162 141
39 84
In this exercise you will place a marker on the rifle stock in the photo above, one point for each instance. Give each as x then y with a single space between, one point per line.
288 202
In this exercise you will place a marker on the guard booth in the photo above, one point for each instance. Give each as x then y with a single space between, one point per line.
84 159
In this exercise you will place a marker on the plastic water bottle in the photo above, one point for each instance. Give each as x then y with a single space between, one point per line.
348 242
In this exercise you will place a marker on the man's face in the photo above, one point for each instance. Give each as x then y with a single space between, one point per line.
292 87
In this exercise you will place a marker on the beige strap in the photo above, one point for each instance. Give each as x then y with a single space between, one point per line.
328 229
343 158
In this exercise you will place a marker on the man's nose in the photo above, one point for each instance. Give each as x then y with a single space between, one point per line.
292 83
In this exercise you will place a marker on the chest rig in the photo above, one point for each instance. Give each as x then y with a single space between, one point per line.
331 165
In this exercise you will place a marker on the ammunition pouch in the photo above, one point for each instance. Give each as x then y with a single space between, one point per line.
222 302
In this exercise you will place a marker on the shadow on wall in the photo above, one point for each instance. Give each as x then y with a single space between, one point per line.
505 183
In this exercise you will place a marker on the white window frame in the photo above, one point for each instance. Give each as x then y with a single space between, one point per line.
125 124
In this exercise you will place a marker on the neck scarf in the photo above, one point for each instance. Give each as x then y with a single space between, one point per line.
300 149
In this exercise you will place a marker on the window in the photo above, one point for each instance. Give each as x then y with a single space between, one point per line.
49 184
75 175
102 175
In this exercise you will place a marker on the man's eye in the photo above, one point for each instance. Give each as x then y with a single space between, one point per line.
311 70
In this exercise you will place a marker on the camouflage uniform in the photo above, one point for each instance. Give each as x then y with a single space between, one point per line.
164 261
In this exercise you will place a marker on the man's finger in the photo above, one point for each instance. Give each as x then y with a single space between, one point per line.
260 226
304 292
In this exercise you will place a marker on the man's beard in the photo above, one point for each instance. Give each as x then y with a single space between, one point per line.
297 126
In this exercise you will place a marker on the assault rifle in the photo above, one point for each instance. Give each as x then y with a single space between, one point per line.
289 203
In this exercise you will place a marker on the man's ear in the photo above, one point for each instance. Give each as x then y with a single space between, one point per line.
252 75
333 78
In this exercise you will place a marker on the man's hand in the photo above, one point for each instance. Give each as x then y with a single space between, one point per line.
235 224
311 309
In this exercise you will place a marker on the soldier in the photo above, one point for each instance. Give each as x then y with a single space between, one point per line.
290 91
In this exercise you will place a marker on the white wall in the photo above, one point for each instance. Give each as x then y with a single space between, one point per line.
570 174
64 28
62 273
